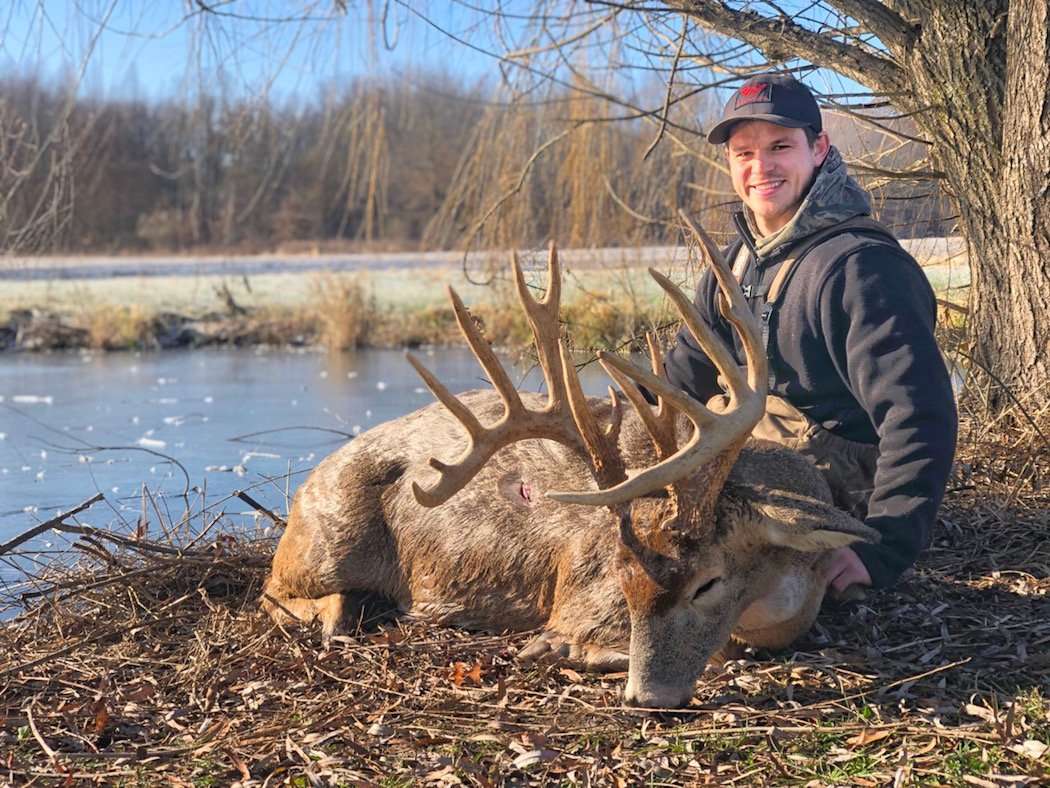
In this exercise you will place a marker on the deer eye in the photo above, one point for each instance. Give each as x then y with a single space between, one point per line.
706 587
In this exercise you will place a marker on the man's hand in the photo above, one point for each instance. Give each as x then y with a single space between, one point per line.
845 570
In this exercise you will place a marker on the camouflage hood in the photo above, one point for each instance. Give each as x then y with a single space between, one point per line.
833 198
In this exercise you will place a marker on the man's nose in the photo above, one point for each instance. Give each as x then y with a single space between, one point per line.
762 162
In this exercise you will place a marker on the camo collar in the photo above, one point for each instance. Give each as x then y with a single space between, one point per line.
834 197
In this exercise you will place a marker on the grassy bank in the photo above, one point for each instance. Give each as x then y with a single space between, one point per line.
608 299
335 310
141 657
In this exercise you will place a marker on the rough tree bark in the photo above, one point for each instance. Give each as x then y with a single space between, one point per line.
976 75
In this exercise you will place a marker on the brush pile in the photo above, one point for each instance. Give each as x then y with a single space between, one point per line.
134 658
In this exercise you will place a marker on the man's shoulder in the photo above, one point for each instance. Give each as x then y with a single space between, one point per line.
842 236
858 241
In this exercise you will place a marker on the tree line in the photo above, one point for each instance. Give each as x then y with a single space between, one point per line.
410 161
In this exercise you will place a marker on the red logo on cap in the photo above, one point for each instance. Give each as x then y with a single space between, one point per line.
750 94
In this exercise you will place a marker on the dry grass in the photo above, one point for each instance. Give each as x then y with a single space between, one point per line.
345 313
139 659
115 328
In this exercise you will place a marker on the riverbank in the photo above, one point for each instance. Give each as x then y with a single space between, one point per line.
346 301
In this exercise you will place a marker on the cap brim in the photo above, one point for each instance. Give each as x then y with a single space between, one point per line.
720 132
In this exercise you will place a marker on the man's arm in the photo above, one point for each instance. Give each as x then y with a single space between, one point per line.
877 314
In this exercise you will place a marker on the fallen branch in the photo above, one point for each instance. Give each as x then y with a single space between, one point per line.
36 530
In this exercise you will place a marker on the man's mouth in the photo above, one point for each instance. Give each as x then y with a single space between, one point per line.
766 188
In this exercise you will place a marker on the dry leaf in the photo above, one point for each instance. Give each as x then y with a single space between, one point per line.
461 672
571 675
1031 747
532 757
101 716
239 765
535 741
982 712
144 692
867 736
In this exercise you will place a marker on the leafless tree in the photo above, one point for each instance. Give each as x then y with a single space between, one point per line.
972 80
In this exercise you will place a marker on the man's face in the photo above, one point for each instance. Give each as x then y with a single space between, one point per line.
772 167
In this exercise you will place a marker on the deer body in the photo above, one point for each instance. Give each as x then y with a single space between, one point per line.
680 531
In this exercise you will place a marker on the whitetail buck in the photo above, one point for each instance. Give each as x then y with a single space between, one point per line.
646 568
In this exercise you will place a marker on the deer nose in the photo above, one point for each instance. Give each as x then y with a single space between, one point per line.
657 696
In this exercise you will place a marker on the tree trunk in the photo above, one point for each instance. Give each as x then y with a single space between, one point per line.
1012 323
980 78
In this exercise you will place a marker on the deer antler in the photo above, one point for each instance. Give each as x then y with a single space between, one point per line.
717 437
566 418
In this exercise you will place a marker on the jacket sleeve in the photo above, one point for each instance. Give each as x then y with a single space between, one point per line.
687 366
877 315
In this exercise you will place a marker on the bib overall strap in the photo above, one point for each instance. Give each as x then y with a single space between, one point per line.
773 295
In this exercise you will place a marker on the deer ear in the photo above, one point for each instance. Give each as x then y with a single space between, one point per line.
802 523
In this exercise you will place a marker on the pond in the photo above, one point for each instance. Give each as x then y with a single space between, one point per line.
72 425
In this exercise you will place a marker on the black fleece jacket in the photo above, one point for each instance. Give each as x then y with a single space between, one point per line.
852 347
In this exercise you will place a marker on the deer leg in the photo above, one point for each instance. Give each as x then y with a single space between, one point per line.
552 646
338 613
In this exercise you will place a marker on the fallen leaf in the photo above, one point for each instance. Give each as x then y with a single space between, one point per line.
461 672
145 692
101 716
380 730
867 736
981 712
534 741
571 675
239 765
1031 747
532 757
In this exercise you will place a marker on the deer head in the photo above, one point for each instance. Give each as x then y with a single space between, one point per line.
689 554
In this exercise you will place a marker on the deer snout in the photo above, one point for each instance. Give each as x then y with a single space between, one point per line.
656 695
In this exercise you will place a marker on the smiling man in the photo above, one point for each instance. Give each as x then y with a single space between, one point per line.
857 382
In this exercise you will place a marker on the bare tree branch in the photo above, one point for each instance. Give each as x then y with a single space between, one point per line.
892 29
781 39
670 90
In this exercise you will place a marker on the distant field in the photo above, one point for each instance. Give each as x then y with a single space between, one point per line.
395 281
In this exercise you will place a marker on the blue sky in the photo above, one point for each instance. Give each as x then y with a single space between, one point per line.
156 49
163 48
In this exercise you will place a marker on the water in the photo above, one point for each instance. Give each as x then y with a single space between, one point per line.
72 425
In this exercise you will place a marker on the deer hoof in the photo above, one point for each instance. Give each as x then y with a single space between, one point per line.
550 646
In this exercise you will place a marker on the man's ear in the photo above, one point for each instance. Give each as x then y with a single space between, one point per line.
790 520
821 146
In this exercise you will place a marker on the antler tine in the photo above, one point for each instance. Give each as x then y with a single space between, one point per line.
458 409
566 417
737 313
606 460
543 320
664 416
721 434
483 353
679 464
712 345
612 432
660 423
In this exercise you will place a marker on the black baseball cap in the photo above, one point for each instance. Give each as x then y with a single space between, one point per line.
776 98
